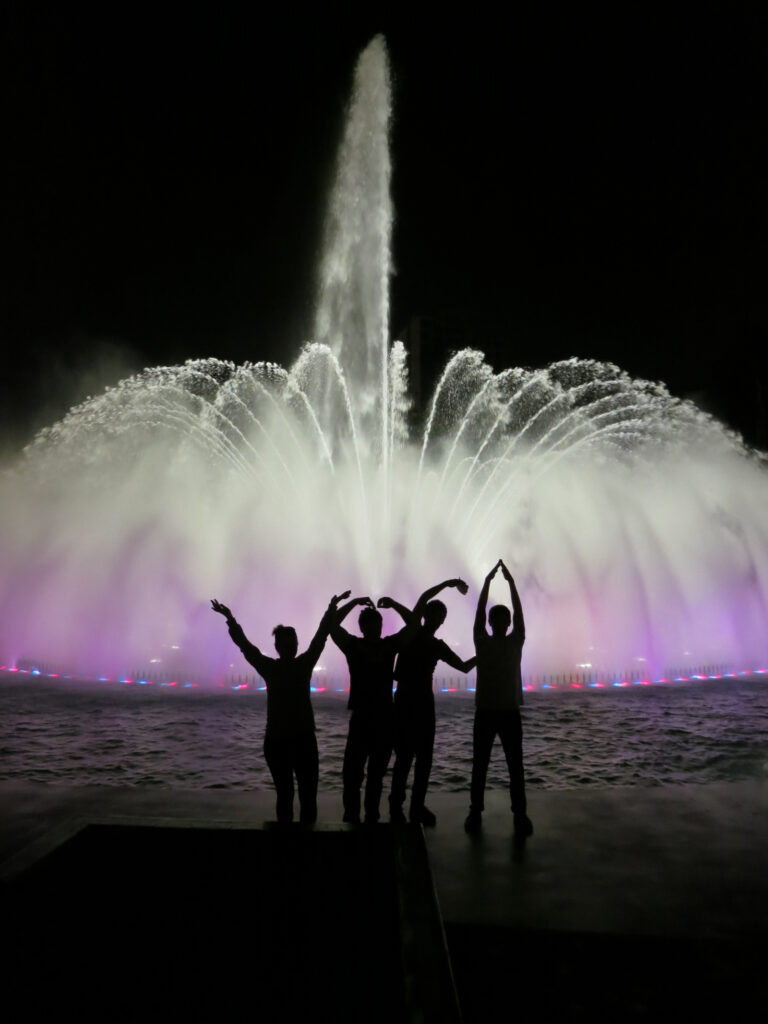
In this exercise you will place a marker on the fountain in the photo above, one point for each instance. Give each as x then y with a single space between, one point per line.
634 523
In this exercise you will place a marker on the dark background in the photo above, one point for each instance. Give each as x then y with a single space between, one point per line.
568 182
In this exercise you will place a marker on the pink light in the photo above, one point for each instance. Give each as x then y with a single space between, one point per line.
13 669
576 686
174 682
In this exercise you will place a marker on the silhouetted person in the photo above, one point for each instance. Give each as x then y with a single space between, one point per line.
371 659
290 745
415 702
498 698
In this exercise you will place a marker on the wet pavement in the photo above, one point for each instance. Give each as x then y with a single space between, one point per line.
673 877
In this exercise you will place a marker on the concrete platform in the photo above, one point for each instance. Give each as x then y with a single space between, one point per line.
635 901
647 861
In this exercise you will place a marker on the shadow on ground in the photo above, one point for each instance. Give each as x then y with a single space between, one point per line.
140 923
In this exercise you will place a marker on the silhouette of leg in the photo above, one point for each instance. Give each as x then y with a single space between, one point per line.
483 735
307 769
404 752
280 763
424 744
380 751
511 735
353 769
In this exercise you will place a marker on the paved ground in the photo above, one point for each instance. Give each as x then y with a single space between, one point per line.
634 901
649 861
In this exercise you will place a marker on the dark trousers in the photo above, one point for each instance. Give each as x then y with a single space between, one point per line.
286 757
507 726
369 739
414 740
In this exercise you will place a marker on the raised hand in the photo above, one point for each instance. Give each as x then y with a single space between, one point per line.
460 585
384 602
222 609
340 597
494 570
505 572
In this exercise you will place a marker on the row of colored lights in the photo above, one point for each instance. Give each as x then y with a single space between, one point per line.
647 682
620 683
100 679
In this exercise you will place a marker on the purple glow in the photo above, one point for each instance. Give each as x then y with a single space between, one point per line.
271 488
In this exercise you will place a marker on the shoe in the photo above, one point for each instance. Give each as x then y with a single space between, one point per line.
396 815
424 817
523 825
473 822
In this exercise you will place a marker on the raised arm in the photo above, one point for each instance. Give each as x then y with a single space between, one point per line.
337 631
479 630
250 651
317 643
408 617
518 622
428 595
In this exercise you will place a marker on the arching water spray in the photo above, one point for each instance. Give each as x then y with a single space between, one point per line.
634 523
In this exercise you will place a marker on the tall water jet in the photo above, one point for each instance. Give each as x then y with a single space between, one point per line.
352 316
634 522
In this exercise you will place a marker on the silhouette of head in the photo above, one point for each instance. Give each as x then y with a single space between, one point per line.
286 641
370 623
499 619
434 615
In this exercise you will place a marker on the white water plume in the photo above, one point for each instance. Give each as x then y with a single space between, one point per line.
634 523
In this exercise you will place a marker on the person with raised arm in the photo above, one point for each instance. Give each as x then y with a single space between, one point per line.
290 744
371 659
498 699
415 702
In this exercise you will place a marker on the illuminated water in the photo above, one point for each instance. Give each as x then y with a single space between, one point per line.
634 523
122 736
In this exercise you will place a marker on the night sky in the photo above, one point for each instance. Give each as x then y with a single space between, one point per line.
565 184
